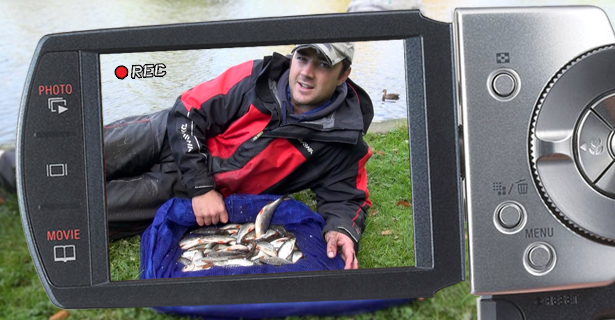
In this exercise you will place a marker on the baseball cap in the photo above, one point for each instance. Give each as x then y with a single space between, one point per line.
334 52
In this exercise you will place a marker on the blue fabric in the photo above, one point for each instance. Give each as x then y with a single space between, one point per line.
160 252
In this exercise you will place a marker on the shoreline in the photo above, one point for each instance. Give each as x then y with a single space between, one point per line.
387 125
376 127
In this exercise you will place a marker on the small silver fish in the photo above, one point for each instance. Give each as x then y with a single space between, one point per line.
277 243
230 226
192 254
235 262
264 215
280 229
270 234
250 236
286 250
195 267
224 254
275 261
267 248
244 230
237 247
257 255
296 256
205 231
190 242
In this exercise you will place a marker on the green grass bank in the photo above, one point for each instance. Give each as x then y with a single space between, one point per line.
387 242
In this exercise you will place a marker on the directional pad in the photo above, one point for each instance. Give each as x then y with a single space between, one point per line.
593 138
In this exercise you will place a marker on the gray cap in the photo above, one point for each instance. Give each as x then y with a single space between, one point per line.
335 52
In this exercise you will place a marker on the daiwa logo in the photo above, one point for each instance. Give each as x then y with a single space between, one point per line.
307 146
258 135
184 130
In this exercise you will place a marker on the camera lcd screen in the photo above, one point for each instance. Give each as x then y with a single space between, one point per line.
411 244
135 86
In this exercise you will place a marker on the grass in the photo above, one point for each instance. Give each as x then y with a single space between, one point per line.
387 242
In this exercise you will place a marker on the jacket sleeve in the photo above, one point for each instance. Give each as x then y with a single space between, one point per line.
343 198
203 112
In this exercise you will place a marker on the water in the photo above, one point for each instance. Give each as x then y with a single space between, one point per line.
378 65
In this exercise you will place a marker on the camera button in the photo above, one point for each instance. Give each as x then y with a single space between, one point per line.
504 84
540 258
509 217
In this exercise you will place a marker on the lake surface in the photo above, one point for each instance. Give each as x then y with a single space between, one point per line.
377 66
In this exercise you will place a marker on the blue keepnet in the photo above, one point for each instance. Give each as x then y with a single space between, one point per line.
160 251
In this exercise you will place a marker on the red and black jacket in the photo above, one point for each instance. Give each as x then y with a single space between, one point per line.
227 134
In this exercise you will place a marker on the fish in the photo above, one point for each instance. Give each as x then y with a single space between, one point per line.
237 245
192 254
250 236
184 261
236 262
277 243
296 256
264 216
270 234
193 241
267 248
286 250
275 261
208 231
244 230
257 255
280 229
195 267
231 226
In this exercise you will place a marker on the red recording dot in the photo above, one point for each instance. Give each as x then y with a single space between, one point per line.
121 72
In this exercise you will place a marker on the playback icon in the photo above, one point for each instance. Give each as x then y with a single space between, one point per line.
57 105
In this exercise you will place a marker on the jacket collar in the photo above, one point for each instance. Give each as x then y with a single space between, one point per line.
349 117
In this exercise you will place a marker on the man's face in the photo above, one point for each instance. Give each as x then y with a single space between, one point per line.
312 79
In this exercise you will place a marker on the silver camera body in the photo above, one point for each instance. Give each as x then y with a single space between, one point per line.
537 111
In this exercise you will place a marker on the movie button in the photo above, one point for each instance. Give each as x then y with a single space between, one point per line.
539 258
593 144
509 217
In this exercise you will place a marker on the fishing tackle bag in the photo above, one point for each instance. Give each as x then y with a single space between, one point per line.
160 252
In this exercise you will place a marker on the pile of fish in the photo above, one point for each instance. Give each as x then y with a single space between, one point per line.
248 244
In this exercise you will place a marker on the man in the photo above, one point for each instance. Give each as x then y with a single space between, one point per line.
279 126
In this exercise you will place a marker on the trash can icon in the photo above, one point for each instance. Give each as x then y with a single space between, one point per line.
522 188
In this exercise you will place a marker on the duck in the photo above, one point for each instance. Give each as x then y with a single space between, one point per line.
389 96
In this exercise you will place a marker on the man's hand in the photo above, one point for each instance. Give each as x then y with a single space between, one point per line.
340 240
209 208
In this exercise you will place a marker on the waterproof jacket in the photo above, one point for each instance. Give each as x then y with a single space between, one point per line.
227 134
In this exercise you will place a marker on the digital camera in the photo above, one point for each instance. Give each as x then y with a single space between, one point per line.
511 117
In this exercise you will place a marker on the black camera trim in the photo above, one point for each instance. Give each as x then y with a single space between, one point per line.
435 165
592 303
